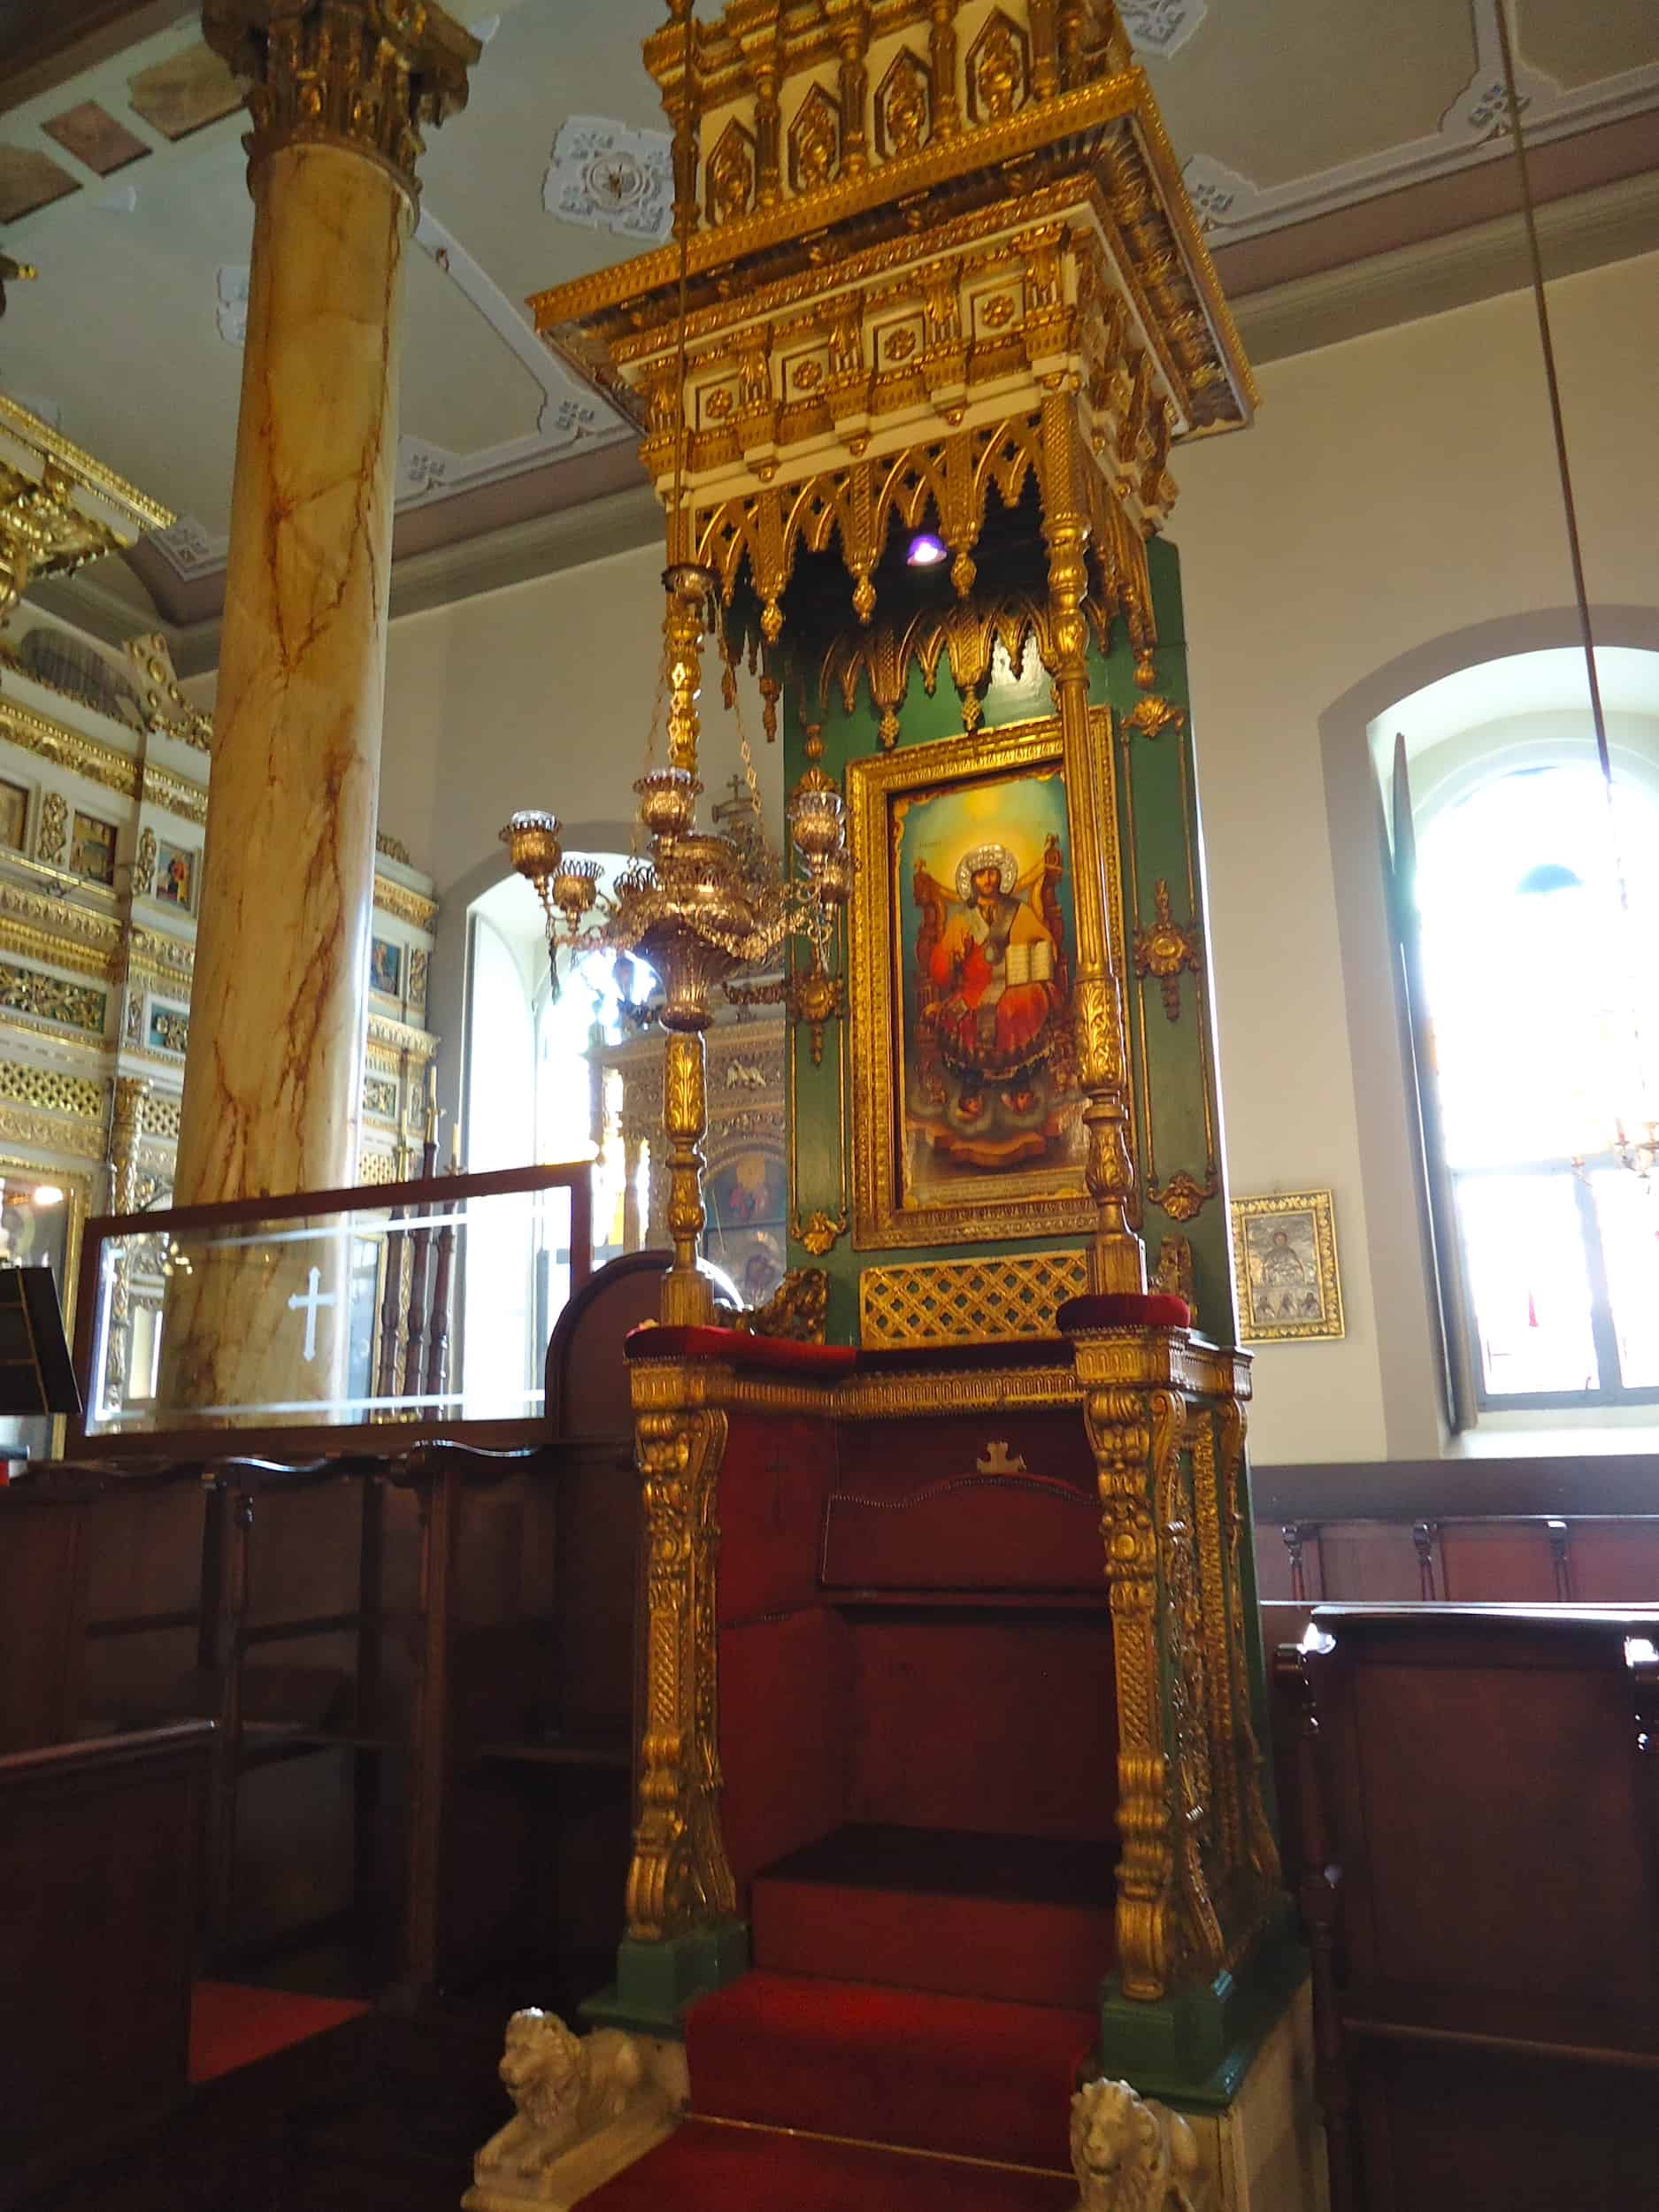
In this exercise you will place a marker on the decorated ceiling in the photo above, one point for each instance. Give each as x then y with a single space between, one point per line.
1314 134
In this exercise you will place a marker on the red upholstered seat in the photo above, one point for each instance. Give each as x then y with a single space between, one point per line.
735 1347
1126 1310
918 1714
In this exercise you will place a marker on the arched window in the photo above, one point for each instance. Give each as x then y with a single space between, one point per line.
1543 996
531 1092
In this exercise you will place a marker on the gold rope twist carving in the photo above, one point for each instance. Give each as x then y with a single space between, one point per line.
680 1878
1131 1434
1230 1483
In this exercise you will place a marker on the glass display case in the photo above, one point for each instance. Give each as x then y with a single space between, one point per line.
421 1302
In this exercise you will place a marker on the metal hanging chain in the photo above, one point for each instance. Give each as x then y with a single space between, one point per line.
1570 513
1569 505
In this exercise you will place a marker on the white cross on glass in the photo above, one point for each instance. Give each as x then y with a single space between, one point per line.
309 1305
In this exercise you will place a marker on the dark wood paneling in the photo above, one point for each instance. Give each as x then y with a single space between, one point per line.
1483 1798
1490 1559
42 1607
99 1862
1395 1489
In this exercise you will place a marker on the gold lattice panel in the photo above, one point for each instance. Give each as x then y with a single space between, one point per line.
161 1117
377 1167
995 1300
79 1096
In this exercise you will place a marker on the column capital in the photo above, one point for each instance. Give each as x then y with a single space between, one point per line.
363 76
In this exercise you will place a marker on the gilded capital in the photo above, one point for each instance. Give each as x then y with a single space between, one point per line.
364 76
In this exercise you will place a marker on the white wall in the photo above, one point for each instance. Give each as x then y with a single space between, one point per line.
539 696
1397 491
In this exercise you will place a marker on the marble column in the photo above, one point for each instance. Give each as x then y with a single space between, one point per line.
272 1074
340 89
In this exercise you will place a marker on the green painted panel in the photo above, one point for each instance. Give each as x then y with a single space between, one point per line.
1174 1063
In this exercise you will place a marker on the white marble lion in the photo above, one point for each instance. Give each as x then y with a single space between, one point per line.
1130 2155
563 2087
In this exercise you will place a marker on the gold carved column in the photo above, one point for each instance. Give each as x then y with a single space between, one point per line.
680 1880
688 1295
1117 1261
127 1127
1198 1879
340 89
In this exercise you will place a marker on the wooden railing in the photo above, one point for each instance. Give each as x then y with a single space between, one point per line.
1472 1558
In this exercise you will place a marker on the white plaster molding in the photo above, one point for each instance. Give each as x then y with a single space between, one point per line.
569 410
609 177
230 302
1162 26
1216 191
1435 275
190 549
421 468
569 414
1473 128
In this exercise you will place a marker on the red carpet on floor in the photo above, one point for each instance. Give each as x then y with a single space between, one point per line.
1022 1919
232 2025
705 2167
950 2074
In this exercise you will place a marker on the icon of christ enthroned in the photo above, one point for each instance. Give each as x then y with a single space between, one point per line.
993 1083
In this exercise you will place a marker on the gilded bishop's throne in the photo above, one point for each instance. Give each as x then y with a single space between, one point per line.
952 1730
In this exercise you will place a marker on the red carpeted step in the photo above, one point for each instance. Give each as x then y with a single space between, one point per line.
951 2074
233 2026
705 2167
1019 1918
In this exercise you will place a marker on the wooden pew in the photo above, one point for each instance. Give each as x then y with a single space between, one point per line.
100 1580
293 1606
1472 1558
421 1660
99 1866
1472 1828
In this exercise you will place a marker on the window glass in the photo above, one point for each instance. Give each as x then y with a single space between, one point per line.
1529 1282
1536 1000
1535 898
1628 1215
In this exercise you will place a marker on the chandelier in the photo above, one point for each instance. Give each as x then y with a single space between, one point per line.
699 907
696 906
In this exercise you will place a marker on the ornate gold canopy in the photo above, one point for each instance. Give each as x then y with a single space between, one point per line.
58 507
915 219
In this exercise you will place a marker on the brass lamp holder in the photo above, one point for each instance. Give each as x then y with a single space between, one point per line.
704 907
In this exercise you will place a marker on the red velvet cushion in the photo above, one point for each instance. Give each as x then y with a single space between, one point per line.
737 1348
1126 1310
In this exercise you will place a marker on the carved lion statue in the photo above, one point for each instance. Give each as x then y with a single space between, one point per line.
563 2088
1130 2155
